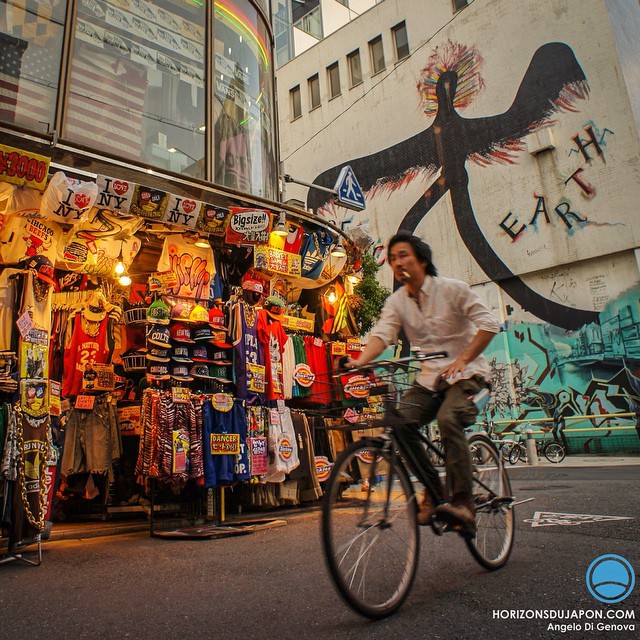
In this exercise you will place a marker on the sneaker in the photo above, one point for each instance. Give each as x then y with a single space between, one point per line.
458 512
426 510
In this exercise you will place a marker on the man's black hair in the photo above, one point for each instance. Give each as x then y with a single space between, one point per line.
420 247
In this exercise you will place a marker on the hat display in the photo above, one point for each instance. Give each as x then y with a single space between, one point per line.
202 333
181 372
159 336
180 353
198 314
220 358
158 313
200 353
217 319
156 354
252 284
200 371
181 333
158 371
94 314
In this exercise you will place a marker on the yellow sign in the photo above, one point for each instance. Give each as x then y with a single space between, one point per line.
270 260
297 324
23 167
225 444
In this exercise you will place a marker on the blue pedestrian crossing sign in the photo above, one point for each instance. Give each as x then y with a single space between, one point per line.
349 193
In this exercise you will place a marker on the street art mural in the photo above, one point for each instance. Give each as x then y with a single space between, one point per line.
573 360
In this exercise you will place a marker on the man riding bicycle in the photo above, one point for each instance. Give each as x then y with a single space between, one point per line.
436 313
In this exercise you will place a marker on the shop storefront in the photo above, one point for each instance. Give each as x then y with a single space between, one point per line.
166 326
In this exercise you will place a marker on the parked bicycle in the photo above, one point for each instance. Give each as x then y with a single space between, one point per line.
371 538
514 450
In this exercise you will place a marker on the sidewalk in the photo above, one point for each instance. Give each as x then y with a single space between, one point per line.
76 531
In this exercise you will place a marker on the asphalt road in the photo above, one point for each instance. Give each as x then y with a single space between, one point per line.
273 583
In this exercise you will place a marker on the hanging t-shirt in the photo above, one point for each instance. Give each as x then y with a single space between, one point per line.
272 338
8 288
314 252
24 238
192 266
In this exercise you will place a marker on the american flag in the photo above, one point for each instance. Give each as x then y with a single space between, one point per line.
30 62
106 102
11 51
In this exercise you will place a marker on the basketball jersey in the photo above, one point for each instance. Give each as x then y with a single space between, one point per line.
83 349
218 468
248 356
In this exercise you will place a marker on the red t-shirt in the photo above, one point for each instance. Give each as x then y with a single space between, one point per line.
272 338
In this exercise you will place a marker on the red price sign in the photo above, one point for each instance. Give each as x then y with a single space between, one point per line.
23 167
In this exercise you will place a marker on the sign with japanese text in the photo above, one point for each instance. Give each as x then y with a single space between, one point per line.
248 226
225 444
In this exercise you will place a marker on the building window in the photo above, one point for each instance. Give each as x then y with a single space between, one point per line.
296 104
314 91
333 75
310 22
400 40
459 4
355 69
343 2
377 55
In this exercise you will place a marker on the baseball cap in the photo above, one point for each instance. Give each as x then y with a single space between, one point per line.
220 358
219 339
159 336
198 314
202 333
180 311
200 371
217 319
252 284
220 373
43 268
181 372
200 353
274 306
181 333
180 353
158 313
155 354
157 371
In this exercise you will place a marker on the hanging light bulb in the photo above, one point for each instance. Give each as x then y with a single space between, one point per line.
201 242
119 268
281 228
353 278
124 280
331 295
338 250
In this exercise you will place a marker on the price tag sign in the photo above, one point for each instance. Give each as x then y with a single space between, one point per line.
24 324
23 167
225 444
85 403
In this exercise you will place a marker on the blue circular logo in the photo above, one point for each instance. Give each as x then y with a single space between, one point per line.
610 578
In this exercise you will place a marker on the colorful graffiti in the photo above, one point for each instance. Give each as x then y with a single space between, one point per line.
593 372
575 361
451 140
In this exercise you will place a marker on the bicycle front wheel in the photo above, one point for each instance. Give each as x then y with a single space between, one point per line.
495 519
514 454
554 452
370 538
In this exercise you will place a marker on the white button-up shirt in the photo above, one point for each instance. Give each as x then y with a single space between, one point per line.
445 317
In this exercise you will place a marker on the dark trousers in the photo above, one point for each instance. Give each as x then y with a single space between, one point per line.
452 406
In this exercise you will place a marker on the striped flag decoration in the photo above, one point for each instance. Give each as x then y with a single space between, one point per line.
11 51
106 102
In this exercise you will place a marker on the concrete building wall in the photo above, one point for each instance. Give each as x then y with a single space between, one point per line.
525 178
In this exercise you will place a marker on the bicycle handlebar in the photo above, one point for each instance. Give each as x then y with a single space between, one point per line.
389 364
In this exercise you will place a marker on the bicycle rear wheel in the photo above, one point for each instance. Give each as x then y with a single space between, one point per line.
514 454
554 452
495 519
371 539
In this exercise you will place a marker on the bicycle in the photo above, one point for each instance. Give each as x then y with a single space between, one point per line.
553 451
371 539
